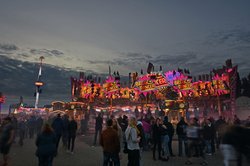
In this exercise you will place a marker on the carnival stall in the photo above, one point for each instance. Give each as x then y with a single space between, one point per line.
176 92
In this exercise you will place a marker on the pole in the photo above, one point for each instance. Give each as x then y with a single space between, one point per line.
38 79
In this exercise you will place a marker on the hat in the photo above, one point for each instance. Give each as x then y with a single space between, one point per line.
139 123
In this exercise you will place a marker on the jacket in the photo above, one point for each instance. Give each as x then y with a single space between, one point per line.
46 144
109 140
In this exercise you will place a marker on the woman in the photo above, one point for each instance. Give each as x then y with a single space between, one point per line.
133 140
46 146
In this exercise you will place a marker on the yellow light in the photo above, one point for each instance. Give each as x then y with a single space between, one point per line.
38 83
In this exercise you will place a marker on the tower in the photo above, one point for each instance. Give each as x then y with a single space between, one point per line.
39 83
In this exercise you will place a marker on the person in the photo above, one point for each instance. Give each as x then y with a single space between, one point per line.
39 124
209 135
83 125
170 129
157 138
21 131
182 135
124 123
235 143
219 125
65 132
31 126
72 127
14 122
118 129
98 127
164 140
194 142
110 143
46 146
157 112
137 113
6 139
147 130
142 140
133 139
58 128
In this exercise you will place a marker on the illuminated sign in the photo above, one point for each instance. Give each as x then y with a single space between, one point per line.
221 84
110 87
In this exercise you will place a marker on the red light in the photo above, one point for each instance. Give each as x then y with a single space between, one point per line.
2 99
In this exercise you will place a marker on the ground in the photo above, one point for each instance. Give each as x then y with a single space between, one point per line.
87 155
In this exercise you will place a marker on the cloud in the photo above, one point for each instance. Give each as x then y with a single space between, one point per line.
138 55
8 47
230 37
46 52
95 62
137 61
24 55
175 59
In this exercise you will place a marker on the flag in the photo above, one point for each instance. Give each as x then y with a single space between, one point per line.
141 71
150 68
109 70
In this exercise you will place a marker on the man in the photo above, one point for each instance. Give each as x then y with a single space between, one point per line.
98 127
209 136
72 127
65 132
110 143
58 128
182 135
6 139
170 132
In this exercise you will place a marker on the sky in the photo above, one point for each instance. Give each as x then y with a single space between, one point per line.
91 35
81 35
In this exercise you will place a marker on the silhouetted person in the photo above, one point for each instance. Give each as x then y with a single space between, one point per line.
72 128
110 143
58 128
65 133
39 124
46 146
6 139
182 135
21 131
98 127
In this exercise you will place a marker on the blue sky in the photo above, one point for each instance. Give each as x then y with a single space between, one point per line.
91 35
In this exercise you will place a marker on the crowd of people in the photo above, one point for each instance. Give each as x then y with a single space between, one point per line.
46 132
131 134
146 132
